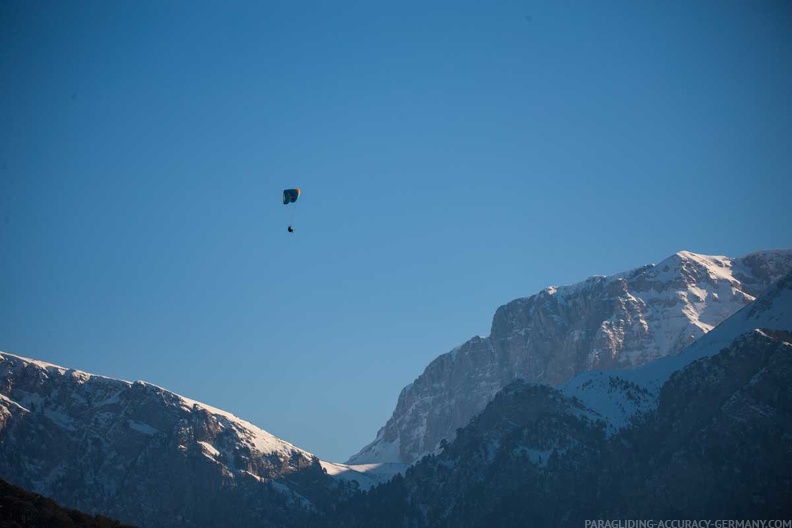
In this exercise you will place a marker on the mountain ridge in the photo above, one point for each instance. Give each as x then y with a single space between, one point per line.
715 445
140 453
105 446
619 321
640 387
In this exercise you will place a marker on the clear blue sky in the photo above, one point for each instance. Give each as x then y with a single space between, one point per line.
452 155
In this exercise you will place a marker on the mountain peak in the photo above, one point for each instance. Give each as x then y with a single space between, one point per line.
638 389
124 417
604 322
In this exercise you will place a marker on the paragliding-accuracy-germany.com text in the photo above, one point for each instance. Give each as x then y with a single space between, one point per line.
687 523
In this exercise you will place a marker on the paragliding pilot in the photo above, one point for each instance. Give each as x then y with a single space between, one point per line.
290 196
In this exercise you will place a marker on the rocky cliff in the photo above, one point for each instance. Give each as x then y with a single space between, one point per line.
620 321
713 444
147 456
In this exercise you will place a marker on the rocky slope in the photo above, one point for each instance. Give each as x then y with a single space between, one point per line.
147 456
717 414
621 396
715 444
620 321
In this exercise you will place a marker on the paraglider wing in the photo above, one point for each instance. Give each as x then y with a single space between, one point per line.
290 196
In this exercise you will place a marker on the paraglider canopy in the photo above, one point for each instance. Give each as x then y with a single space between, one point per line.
290 196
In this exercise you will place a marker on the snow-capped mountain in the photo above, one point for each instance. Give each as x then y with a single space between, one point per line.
140 453
714 443
681 429
605 322
619 396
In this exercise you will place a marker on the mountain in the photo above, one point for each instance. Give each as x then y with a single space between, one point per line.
147 456
587 393
620 396
605 322
716 443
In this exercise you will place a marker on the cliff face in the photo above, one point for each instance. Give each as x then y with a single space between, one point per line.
709 438
689 435
616 322
139 453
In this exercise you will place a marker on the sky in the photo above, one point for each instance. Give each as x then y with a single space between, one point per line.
452 156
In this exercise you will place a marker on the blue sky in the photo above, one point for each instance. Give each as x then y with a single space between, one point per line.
452 155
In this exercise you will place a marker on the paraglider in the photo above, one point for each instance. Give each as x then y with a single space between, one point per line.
290 196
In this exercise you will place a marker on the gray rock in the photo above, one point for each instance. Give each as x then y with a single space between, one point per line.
616 322
150 457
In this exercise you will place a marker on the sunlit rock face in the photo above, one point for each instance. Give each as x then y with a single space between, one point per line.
147 456
715 443
615 322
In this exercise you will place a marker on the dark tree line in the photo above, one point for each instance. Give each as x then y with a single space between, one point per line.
22 509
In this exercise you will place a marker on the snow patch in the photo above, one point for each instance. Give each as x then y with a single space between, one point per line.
620 395
366 475
209 449
60 419
141 427
11 402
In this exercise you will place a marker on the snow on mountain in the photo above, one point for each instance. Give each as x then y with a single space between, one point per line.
95 391
605 322
365 475
106 445
715 445
100 391
620 395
